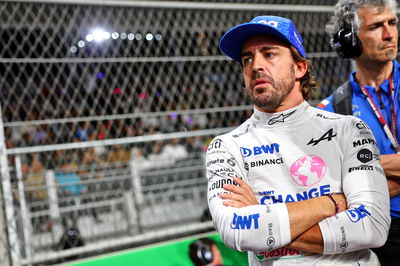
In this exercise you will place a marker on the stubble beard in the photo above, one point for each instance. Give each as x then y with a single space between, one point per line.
391 55
271 97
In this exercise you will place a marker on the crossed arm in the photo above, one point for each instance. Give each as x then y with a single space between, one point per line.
391 166
305 233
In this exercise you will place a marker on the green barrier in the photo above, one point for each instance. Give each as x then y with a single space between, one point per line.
169 254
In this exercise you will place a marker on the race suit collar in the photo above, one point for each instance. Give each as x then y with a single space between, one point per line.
279 119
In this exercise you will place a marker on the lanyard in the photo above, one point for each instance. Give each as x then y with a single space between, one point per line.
390 132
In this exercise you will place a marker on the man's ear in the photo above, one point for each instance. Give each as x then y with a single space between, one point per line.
300 69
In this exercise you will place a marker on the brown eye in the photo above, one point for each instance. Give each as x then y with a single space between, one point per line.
246 60
269 55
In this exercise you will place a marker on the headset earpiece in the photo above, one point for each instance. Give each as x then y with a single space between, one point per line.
346 43
204 253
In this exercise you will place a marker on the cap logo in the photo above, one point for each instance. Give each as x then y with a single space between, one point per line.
271 23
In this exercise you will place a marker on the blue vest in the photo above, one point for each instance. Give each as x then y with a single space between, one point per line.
363 110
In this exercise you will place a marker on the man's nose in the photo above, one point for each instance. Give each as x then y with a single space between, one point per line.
388 32
258 63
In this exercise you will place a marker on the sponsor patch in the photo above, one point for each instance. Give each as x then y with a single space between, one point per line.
308 194
308 170
257 150
243 133
362 142
362 125
328 136
357 214
245 222
266 162
280 119
215 144
326 117
361 168
280 253
364 155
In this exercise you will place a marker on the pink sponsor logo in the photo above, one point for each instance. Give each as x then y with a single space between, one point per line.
308 170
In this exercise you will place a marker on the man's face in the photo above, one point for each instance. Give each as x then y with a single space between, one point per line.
378 34
268 71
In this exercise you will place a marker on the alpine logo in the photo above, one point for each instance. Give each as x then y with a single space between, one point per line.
245 222
280 119
328 136
246 152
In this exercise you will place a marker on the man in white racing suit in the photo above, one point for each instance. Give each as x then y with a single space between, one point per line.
293 184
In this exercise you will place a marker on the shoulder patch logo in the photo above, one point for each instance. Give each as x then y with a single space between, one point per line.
328 136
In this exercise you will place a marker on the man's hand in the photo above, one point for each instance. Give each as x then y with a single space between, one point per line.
241 195
340 201
394 186
391 165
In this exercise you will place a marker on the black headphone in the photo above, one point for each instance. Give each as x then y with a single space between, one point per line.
346 42
203 252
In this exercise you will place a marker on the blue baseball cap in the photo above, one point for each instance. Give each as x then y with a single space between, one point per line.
232 41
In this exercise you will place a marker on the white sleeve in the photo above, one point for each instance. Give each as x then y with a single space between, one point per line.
252 228
366 222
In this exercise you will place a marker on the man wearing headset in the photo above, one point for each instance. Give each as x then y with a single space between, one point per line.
366 31
204 252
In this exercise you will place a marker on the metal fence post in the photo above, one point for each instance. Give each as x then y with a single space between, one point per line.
138 193
25 217
8 251
53 203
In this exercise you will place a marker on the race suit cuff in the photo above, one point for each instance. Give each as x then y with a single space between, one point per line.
285 226
280 217
328 236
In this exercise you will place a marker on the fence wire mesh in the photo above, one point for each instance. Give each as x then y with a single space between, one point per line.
107 110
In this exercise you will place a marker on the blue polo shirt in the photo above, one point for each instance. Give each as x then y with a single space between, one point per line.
363 110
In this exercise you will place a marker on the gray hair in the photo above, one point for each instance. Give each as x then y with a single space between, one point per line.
346 12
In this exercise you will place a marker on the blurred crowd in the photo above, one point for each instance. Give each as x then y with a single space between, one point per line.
76 171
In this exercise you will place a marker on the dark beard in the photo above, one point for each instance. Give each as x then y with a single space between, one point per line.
281 89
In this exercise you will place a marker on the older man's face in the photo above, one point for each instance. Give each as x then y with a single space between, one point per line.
378 34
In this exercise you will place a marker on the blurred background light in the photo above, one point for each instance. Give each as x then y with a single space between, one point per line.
89 37
73 49
98 35
158 37
138 36
115 35
149 36
81 43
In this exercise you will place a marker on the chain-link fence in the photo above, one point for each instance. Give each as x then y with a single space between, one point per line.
107 109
